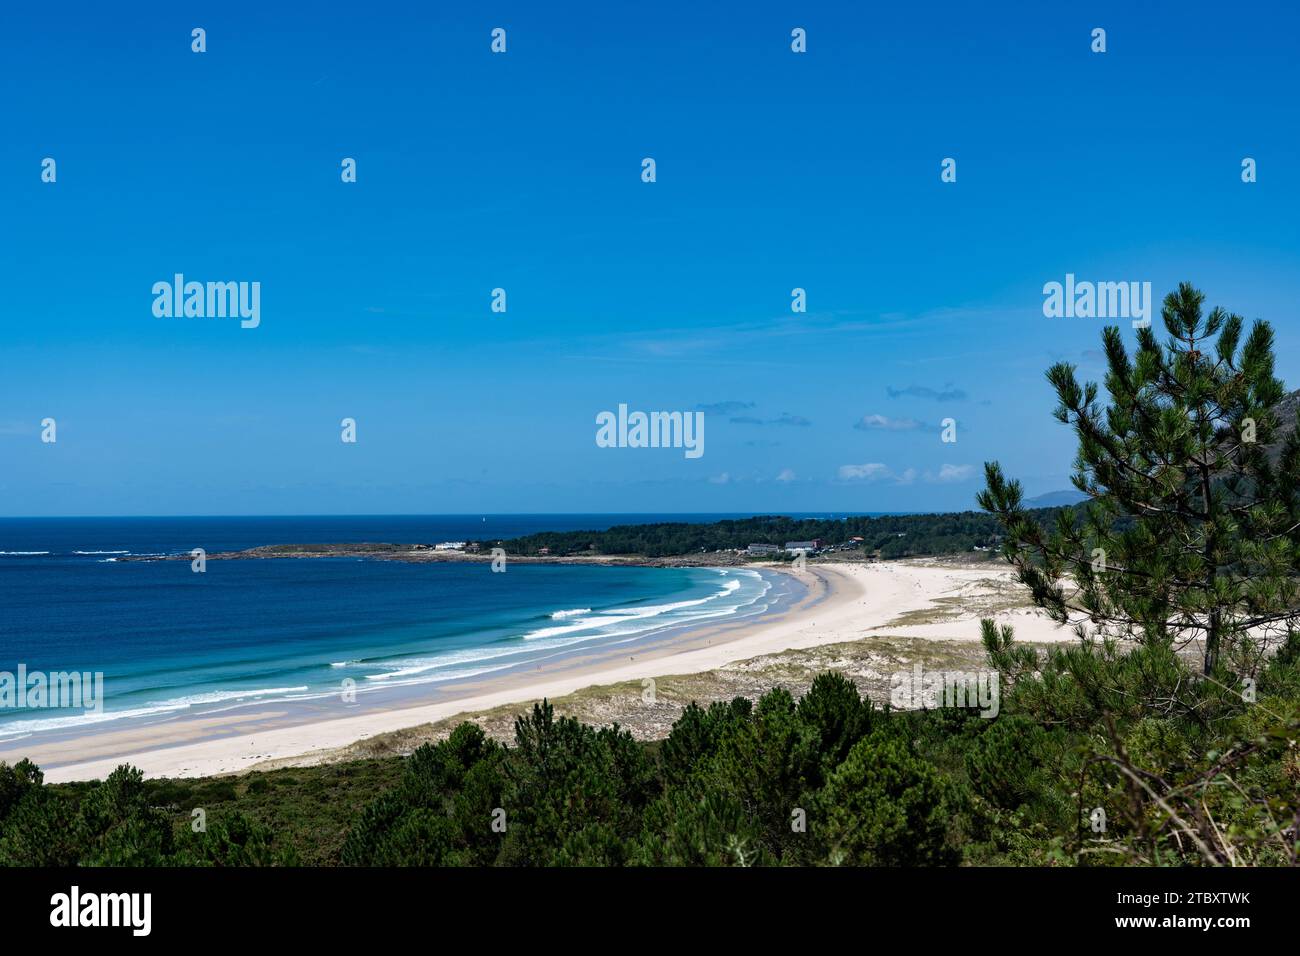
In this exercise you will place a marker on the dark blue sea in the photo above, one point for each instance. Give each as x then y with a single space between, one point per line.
171 641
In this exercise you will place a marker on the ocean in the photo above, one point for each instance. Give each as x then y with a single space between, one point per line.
170 642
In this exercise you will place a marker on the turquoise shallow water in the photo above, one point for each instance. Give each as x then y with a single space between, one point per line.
170 642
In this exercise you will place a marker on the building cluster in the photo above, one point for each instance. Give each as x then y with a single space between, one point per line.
815 546
470 546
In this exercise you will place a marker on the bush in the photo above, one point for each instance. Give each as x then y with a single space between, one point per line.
886 807
1002 762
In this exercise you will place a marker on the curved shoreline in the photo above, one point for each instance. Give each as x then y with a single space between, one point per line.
843 602
237 737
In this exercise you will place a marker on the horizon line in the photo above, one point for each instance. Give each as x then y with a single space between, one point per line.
471 514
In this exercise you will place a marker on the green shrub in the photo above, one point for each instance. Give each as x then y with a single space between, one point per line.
886 807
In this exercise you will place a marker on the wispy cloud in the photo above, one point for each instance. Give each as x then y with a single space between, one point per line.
723 408
784 419
946 394
715 343
885 423
796 421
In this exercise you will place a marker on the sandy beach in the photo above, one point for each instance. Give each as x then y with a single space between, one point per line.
930 600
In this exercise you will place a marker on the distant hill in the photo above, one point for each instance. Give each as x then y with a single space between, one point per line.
892 536
1056 499
1286 422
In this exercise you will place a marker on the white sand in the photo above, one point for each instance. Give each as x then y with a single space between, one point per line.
846 602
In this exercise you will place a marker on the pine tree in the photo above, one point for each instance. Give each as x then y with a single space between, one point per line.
1191 531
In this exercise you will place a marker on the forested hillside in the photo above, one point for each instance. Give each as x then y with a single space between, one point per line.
894 536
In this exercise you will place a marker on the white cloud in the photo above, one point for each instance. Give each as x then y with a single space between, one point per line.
950 473
878 471
786 475
872 471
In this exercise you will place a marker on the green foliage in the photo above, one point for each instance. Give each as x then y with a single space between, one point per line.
837 716
235 840
439 813
1192 530
827 779
1002 762
571 786
695 736
735 784
117 822
697 826
1190 543
1009 659
38 829
116 826
894 536
1184 770
15 783
886 807
769 765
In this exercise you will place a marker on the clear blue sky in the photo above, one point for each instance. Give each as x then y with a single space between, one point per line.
522 170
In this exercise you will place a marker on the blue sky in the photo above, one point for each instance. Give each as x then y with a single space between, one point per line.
522 171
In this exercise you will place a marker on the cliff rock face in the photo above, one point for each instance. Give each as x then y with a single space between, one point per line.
1286 420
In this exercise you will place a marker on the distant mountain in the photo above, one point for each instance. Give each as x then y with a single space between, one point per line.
1056 499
